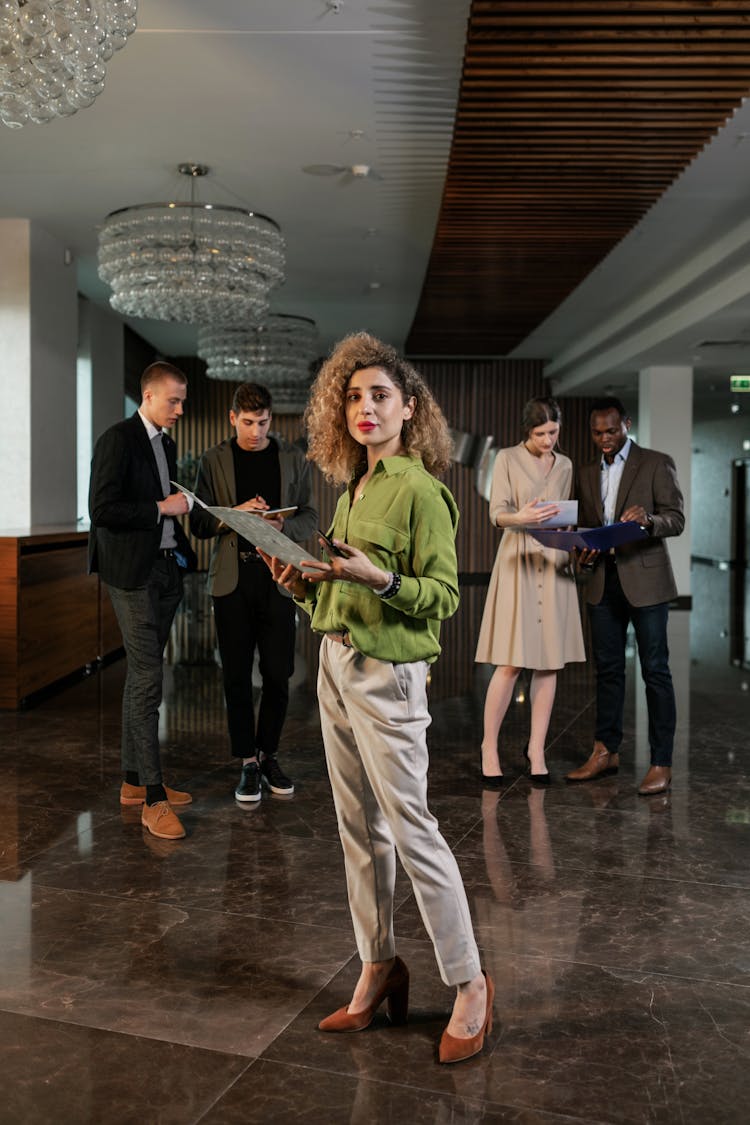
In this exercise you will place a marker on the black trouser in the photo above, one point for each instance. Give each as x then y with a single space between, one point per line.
254 615
609 624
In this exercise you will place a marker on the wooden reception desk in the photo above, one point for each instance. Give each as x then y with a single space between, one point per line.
55 618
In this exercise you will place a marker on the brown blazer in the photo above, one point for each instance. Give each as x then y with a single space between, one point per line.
649 479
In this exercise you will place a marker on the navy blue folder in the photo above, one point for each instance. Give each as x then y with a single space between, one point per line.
590 538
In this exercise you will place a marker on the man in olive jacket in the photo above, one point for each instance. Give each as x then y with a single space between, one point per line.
633 582
254 470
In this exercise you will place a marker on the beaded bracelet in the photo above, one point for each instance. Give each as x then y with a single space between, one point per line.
392 588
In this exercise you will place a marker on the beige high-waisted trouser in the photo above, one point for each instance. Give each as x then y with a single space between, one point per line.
374 718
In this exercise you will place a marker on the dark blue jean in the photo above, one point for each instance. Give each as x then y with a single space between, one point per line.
145 616
609 623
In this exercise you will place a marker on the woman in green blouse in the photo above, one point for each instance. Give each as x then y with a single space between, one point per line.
392 577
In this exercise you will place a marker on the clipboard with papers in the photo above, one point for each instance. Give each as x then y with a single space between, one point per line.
258 531
590 538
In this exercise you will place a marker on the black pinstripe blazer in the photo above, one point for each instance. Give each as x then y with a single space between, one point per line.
123 491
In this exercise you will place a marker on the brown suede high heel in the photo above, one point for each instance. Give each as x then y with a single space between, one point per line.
454 1050
395 989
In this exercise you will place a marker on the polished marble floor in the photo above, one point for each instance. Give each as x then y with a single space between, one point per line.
180 983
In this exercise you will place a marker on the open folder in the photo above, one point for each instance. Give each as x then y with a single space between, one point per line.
253 527
590 538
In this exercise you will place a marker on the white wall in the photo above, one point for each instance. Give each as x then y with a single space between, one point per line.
38 328
54 337
101 399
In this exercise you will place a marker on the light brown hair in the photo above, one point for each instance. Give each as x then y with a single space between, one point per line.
331 446
157 372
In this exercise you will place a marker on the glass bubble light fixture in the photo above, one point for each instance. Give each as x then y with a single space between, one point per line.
54 55
278 353
191 262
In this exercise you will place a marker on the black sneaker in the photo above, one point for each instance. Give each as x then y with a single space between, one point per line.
274 777
248 788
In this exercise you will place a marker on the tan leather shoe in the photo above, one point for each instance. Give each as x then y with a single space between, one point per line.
161 821
599 764
136 795
657 780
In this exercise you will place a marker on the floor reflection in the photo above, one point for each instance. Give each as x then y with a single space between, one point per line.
183 981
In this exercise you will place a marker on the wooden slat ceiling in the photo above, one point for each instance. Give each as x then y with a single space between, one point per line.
573 118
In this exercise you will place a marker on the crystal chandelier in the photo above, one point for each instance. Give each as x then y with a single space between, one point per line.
278 353
195 263
53 55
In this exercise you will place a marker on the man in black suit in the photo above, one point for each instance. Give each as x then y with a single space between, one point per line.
139 549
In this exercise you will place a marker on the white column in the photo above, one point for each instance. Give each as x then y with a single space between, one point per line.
665 422
101 394
38 327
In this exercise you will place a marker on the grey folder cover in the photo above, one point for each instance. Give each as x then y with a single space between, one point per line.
591 538
257 531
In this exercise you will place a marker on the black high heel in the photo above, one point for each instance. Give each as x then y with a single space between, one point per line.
491 780
537 778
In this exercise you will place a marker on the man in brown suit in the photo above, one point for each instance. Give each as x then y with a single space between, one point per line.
633 582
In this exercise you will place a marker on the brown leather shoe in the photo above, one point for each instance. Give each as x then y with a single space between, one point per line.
136 795
599 764
657 780
161 821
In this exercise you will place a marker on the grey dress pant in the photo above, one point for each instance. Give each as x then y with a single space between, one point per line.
145 616
374 719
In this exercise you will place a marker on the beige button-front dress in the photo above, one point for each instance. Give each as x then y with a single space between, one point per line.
531 616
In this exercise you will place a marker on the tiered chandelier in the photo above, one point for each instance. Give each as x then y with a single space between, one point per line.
194 263
53 55
278 352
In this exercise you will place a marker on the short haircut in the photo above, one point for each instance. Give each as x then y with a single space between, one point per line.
607 403
537 412
251 397
159 371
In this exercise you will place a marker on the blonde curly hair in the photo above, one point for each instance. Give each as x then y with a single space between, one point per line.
331 446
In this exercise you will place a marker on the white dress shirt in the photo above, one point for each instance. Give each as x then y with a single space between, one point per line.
610 476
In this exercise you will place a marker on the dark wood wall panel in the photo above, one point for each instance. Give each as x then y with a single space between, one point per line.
488 397
8 622
573 118
50 617
480 397
59 611
477 396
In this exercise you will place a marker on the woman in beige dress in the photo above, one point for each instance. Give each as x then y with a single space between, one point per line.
531 617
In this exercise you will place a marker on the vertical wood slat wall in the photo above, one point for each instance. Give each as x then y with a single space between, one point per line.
477 396
487 397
